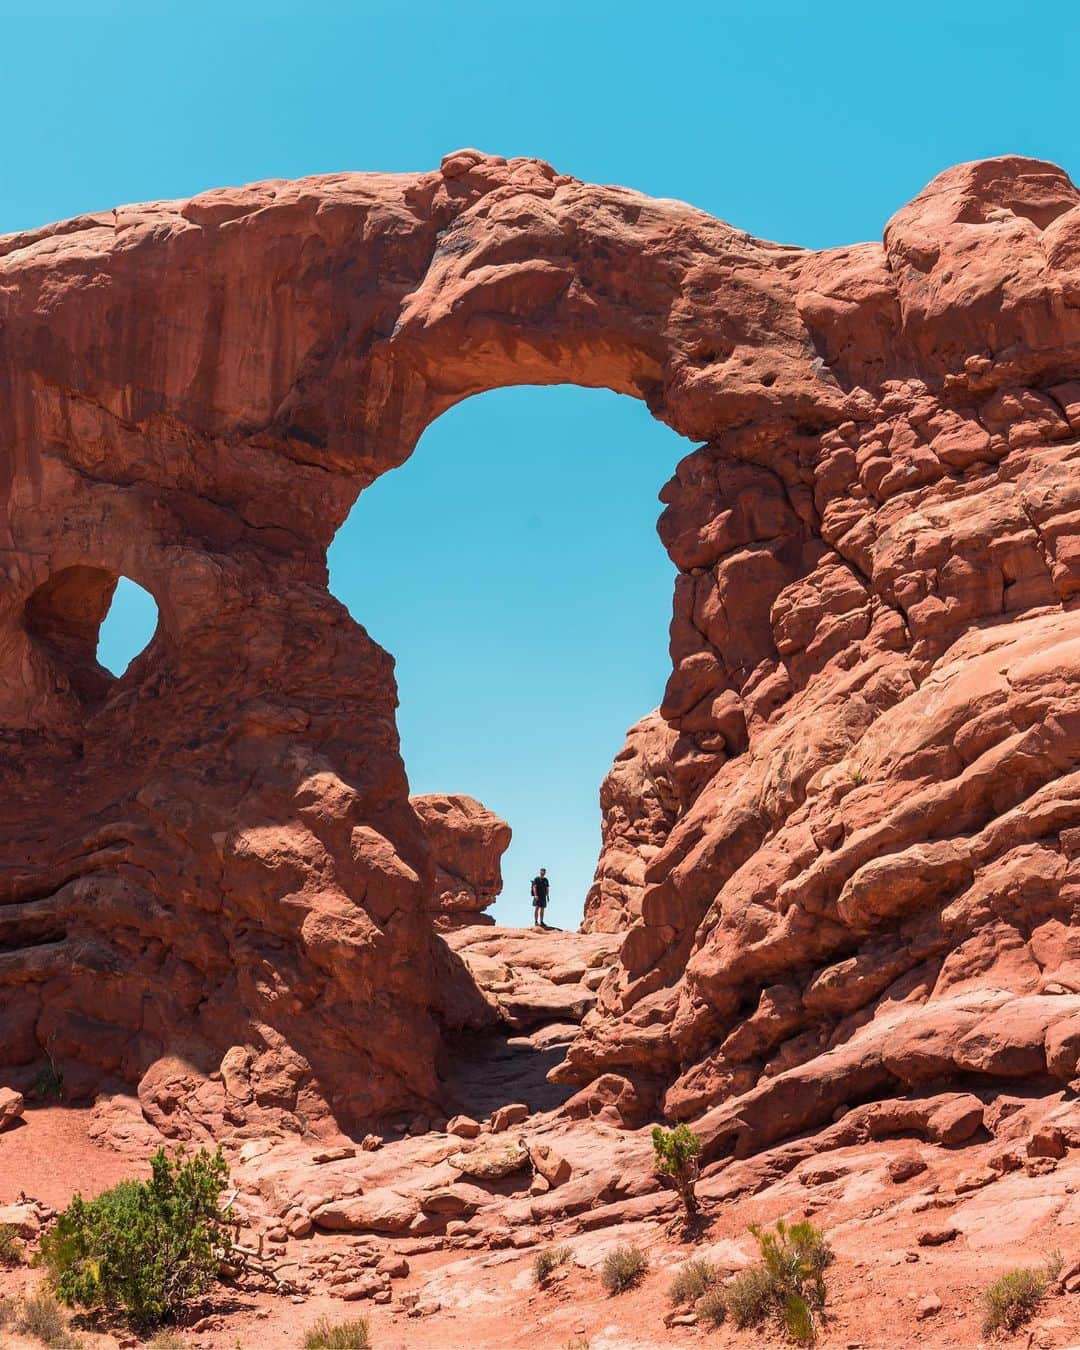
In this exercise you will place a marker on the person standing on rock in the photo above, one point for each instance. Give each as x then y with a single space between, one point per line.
540 888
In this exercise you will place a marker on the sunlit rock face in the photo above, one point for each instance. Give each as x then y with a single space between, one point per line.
845 858
467 841
639 804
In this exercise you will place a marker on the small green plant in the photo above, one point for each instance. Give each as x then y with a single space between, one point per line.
787 1285
42 1317
327 1335
1014 1297
712 1308
49 1083
546 1261
144 1248
675 1156
623 1268
858 775
11 1252
692 1281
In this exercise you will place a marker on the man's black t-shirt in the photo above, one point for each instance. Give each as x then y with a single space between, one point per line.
540 890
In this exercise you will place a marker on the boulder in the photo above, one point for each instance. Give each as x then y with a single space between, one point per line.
24 1218
905 1167
11 1107
552 1166
453 1201
505 1116
382 1210
491 1161
366 1286
467 842
1047 1142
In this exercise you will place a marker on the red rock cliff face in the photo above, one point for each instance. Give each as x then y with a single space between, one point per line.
873 706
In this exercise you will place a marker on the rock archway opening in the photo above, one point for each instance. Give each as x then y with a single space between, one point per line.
128 627
513 569
89 623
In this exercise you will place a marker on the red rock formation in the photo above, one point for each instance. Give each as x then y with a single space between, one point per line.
467 842
873 887
639 804
871 882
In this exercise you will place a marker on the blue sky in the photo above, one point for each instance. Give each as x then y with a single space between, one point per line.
511 566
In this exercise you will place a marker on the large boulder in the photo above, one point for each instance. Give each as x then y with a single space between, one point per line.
467 841
492 1160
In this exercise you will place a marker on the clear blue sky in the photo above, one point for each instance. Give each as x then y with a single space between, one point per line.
511 565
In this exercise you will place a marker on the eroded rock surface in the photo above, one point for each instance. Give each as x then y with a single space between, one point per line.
639 804
851 874
467 841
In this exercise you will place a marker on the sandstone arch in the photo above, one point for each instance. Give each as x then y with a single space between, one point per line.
883 503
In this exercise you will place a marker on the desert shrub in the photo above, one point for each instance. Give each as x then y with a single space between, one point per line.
692 1280
11 1251
1014 1297
7 1311
165 1340
787 1285
546 1261
749 1297
675 1156
327 1335
623 1268
49 1083
712 1308
42 1317
144 1248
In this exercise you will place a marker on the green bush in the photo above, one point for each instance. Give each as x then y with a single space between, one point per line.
546 1261
42 1317
11 1252
692 1280
675 1156
1014 1297
623 1268
326 1335
144 1248
787 1286
712 1308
